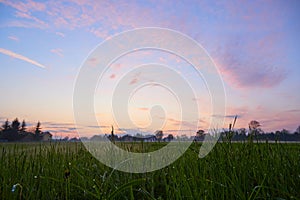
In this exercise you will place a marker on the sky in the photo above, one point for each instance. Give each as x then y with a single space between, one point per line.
255 46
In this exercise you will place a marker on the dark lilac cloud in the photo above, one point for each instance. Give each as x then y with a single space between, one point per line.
251 62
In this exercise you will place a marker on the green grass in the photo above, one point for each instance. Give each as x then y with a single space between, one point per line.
230 171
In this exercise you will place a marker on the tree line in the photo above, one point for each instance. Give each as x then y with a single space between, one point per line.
256 133
17 126
16 131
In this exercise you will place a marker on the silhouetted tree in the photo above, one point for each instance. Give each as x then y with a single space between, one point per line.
277 134
170 137
242 131
254 129
159 134
284 132
15 125
112 134
298 130
254 125
6 125
38 129
200 133
23 126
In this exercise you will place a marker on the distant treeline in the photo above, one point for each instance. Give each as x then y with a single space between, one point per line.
226 135
283 135
16 131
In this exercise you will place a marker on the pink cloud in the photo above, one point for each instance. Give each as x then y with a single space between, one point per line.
27 15
92 62
99 32
185 124
58 52
238 110
243 113
24 10
11 37
250 15
99 18
284 119
270 120
143 109
60 34
245 60
21 57
112 76
247 64
24 24
104 17
25 7
133 81
116 66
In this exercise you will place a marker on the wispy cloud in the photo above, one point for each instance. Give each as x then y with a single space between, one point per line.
112 76
11 37
25 6
58 52
25 11
143 109
21 57
30 17
60 34
100 18
135 78
133 81
247 63
284 119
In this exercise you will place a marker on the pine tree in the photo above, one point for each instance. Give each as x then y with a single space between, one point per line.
23 126
15 125
6 125
38 129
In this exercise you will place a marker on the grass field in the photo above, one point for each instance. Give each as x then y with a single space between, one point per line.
230 171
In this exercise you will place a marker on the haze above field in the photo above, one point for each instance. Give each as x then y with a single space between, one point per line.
255 45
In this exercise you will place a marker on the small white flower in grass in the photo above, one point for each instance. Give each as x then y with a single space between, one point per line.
69 163
14 187
35 177
94 180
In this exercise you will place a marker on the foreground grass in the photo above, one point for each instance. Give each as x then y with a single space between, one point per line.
230 171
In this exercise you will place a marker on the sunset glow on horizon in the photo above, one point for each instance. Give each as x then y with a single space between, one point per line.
255 46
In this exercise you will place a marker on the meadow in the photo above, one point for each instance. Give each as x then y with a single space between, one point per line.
67 170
